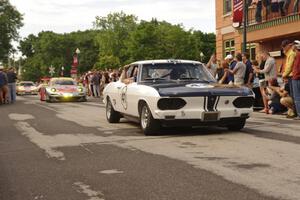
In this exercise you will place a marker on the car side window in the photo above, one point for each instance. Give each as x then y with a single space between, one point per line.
132 73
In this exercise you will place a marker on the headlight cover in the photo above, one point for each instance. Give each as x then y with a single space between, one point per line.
171 103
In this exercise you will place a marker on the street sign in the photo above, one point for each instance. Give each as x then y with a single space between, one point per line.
51 70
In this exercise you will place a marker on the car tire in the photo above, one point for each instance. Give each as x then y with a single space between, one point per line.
149 125
83 99
112 116
237 125
48 99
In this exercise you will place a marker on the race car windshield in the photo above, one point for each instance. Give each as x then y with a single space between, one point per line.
64 82
26 84
176 71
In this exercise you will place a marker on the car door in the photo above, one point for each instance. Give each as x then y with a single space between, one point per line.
122 97
132 93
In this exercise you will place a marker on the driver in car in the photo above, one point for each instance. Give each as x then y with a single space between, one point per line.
124 76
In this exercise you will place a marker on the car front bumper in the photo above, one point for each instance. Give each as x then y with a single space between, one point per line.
27 92
68 97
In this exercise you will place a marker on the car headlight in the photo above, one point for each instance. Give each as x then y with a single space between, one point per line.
80 89
53 90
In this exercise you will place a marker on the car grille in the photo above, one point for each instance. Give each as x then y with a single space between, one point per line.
243 102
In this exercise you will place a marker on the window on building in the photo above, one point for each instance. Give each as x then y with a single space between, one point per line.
227 6
251 49
229 47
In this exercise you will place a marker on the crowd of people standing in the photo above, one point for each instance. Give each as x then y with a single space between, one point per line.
8 80
95 81
277 98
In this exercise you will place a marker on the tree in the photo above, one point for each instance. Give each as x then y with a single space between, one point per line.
114 31
10 22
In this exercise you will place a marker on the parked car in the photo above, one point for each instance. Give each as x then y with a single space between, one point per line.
176 93
62 89
26 88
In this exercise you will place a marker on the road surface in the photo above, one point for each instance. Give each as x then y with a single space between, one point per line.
68 151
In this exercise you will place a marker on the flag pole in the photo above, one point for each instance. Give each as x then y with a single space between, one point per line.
245 9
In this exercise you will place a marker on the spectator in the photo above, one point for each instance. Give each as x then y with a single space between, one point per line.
95 82
296 79
290 54
296 6
270 73
3 86
232 63
274 99
286 100
249 75
223 73
262 82
212 65
238 71
258 12
12 78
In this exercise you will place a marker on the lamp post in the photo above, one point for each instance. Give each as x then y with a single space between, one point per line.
77 52
75 64
245 5
201 56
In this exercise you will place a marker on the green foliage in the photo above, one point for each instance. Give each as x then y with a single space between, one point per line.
57 50
117 39
114 32
107 62
10 22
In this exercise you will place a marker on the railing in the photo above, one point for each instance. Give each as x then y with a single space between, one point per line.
266 14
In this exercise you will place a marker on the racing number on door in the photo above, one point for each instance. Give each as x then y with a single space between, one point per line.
124 101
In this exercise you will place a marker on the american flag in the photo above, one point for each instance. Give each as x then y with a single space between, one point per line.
238 11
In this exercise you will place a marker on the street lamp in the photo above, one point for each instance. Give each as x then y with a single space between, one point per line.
62 71
201 56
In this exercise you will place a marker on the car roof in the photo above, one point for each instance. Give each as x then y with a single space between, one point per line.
61 79
26 82
165 61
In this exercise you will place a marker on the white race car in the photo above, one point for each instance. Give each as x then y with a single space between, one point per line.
174 93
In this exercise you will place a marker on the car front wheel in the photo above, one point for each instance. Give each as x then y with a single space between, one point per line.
237 125
48 98
112 116
149 125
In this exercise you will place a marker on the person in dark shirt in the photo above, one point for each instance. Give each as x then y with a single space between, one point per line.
249 75
12 78
3 86
232 63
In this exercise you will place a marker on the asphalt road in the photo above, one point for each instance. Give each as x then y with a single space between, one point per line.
67 151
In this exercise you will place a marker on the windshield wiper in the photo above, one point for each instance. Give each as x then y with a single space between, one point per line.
189 78
155 79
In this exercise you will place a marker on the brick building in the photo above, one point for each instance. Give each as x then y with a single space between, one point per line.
264 34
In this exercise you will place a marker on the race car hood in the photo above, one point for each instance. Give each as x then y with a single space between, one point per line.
199 89
66 88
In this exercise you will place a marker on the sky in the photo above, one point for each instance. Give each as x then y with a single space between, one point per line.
63 16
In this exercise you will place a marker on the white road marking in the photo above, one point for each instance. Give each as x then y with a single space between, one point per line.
43 141
86 189
20 117
111 171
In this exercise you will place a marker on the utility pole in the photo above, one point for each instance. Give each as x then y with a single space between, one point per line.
245 9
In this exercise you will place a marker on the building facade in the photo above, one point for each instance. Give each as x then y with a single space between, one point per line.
267 27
